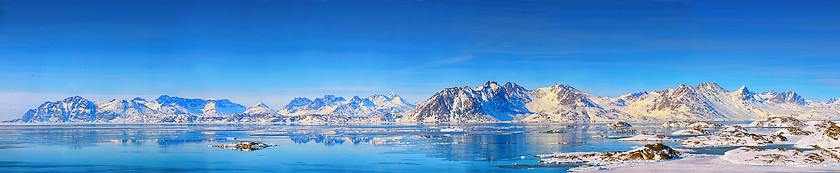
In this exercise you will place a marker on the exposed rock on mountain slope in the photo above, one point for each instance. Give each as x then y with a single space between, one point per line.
206 107
167 109
137 110
72 109
563 103
487 103
259 113
491 102
134 110
373 105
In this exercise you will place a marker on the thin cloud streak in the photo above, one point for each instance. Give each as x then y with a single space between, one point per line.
437 63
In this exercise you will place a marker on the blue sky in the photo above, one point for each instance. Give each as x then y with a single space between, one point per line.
272 51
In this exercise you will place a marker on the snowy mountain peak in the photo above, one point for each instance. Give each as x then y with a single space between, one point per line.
491 86
831 100
330 100
260 108
205 107
568 96
711 86
359 101
138 99
743 89
75 99
510 86
71 109
260 104
633 96
787 97
744 94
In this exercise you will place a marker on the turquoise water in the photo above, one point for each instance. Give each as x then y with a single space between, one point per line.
380 148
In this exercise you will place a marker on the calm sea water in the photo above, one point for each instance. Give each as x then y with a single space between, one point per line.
385 148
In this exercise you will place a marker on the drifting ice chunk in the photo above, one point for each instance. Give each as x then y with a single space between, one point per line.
452 130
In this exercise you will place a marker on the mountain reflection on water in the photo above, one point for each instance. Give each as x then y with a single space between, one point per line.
401 148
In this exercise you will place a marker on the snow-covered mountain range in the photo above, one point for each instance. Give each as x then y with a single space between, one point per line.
490 102
168 109
562 103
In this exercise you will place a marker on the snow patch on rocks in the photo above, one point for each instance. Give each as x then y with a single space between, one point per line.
647 153
782 156
647 138
778 122
622 131
732 136
826 135
793 131
619 124
690 132
689 124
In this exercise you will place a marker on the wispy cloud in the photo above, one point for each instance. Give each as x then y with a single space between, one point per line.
437 63
826 81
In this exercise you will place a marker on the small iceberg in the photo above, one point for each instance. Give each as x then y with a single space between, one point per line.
452 130
554 131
